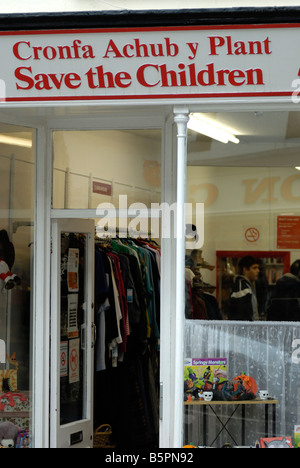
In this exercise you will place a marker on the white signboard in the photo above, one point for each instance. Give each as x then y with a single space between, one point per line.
150 63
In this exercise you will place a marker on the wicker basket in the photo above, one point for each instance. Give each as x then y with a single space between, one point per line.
102 437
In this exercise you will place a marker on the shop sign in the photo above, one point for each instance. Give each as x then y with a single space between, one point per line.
102 189
150 63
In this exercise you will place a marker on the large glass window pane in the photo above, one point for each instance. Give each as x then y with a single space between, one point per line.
243 283
17 169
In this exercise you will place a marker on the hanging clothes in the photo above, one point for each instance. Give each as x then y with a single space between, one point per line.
127 298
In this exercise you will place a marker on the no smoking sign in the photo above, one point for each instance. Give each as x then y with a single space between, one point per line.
252 235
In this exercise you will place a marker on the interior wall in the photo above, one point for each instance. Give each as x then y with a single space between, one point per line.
240 198
17 181
130 161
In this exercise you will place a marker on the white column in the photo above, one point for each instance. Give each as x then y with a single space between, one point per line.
181 119
41 305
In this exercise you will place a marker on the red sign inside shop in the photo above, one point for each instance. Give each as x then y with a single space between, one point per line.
288 232
102 189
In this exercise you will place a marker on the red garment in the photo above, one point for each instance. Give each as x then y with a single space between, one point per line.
122 300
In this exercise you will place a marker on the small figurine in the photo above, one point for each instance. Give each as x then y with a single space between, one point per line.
13 361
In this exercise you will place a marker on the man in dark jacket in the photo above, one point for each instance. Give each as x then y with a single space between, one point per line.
285 301
243 301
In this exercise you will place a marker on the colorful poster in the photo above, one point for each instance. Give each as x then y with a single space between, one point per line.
204 374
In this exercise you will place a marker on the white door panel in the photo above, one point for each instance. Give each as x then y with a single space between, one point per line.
72 333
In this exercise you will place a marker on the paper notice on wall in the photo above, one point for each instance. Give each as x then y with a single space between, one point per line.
73 270
74 375
73 331
288 232
64 359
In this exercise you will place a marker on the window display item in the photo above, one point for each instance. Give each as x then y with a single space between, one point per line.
276 442
8 434
8 279
7 260
9 377
263 394
240 388
8 380
208 396
24 440
297 437
204 375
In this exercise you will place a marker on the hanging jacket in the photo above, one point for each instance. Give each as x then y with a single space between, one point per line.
285 301
243 302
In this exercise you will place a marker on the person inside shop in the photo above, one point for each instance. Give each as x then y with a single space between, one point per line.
243 300
285 301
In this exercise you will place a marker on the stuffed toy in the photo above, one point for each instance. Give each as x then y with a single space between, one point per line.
7 259
8 434
8 279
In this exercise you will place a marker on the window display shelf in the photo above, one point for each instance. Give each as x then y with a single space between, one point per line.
236 405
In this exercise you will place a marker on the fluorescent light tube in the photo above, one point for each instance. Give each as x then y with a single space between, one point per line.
212 129
14 141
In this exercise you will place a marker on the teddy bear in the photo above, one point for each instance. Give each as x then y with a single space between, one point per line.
8 434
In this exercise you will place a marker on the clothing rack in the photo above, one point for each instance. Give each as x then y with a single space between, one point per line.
127 299
122 233
200 302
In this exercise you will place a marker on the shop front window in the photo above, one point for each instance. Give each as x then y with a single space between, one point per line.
243 283
17 169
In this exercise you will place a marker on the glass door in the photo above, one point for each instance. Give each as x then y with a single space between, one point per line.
72 333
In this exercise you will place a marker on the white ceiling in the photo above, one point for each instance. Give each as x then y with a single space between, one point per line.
266 139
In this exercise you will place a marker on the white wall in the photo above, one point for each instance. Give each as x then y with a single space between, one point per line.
129 160
20 6
230 210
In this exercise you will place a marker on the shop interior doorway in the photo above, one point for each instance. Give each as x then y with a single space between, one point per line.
119 170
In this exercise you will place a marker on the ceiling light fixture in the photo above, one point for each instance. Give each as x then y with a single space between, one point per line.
298 168
14 141
201 124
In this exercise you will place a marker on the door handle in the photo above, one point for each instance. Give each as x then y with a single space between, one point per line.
82 337
94 335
